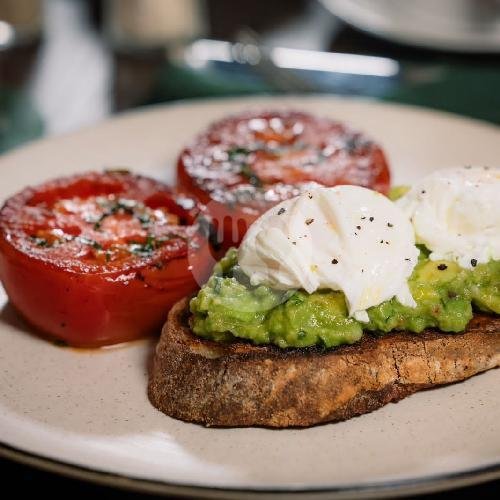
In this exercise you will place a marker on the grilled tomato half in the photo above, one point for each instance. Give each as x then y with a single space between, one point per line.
99 258
243 165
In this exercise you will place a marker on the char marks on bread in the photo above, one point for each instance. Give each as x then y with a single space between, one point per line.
239 384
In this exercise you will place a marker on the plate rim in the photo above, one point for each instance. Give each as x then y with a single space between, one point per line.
391 488
283 99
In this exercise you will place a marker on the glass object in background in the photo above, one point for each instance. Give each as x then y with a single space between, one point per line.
20 21
20 34
70 86
154 23
141 33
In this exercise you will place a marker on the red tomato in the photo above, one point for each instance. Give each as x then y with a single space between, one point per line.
99 258
243 165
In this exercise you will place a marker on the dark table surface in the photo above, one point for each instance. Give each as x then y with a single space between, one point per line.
25 480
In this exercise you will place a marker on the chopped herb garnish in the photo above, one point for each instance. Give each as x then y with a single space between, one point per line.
350 144
144 219
40 242
123 206
146 248
252 177
238 154
91 243
235 152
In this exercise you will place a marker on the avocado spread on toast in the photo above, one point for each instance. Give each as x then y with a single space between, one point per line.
228 307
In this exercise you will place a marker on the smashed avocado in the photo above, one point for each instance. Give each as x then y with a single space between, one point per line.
227 306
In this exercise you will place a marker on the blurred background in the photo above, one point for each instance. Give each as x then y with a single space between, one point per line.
65 64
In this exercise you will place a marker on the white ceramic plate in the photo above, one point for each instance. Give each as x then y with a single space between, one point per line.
86 413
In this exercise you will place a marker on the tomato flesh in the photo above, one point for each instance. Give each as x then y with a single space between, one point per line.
99 258
243 165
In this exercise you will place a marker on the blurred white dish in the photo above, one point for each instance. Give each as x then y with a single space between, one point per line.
456 25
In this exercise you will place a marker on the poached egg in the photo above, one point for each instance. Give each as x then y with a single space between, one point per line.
456 214
345 238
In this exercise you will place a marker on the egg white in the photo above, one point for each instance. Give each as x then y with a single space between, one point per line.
455 213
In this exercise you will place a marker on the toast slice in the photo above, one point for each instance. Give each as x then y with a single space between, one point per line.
239 384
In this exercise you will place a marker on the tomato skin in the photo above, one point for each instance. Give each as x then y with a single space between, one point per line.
86 310
244 164
95 307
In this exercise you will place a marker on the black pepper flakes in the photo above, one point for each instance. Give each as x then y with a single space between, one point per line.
473 262
310 196
281 211
335 261
423 191
363 218
358 227
390 225
442 267
371 219
309 221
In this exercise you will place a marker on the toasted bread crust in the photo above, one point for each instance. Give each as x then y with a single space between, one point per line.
240 384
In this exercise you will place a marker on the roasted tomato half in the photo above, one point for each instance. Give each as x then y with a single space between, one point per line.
243 165
99 258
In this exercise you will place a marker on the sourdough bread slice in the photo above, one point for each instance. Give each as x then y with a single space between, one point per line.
239 384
